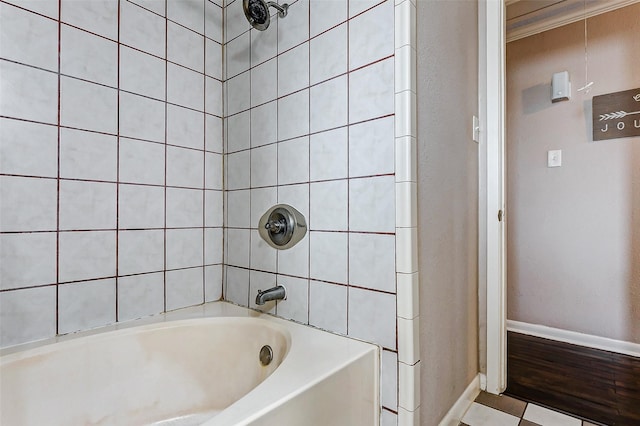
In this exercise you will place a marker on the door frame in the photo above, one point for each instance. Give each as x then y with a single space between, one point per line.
491 208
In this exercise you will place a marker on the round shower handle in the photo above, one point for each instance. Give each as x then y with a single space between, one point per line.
282 226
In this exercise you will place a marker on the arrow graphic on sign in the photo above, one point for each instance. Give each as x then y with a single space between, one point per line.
617 114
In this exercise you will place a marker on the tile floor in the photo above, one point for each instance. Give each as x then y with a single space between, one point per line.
492 410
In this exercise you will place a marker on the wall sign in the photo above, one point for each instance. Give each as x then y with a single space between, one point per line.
616 115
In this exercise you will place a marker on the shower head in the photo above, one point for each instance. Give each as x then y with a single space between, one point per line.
257 12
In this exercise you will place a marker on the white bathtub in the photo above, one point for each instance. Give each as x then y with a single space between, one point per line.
190 367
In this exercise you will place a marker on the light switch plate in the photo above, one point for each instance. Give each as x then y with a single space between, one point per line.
554 158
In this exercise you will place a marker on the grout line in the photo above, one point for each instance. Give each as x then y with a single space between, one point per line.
58 175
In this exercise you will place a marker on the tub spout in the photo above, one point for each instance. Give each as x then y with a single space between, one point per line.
275 293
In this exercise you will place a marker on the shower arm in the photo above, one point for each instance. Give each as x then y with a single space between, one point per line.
282 10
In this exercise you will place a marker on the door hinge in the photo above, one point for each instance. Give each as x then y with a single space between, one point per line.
500 215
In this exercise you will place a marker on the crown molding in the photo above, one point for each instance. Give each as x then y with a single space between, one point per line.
557 15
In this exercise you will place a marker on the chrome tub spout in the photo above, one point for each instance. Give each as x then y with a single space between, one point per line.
275 293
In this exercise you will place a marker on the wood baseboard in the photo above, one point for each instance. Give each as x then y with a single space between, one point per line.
457 411
590 383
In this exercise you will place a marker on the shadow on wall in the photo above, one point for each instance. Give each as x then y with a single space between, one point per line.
536 98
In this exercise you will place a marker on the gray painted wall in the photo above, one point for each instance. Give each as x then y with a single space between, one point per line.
447 202
573 231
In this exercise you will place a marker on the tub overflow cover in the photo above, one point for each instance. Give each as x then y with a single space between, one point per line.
266 355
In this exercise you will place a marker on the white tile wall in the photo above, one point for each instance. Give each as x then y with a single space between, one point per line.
311 122
121 153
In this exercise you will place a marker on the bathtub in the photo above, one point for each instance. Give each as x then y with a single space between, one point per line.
194 366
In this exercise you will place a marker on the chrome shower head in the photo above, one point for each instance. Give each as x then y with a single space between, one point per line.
257 12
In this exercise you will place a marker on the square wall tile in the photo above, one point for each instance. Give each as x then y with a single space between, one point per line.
97 16
185 287
329 104
371 35
294 29
367 195
213 208
296 196
142 29
293 70
236 285
238 243
295 261
296 305
185 167
328 306
264 166
141 117
88 155
189 13
371 148
27 315
234 20
213 97
213 24
185 127
43 7
87 205
240 86
213 171
185 87
141 162
238 55
184 248
140 207
239 131
263 257
88 106
326 14
264 124
140 251
263 88
293 161
213 134
328 155
328 52
213 239
86 305
28 93
28 204
328 204
140 296
293 115
87 255
238 170
328 253
184 208
213 59
38 148
185 47
372 317
27 259
28 38
238 212
87 56
378 275
262 199
371 91
264 45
